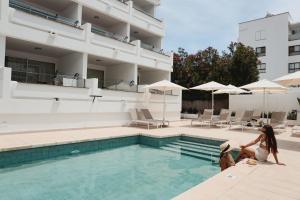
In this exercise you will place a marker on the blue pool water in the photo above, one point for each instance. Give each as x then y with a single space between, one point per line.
134 172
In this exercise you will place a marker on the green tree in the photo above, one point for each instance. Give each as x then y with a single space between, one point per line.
244 62
238 66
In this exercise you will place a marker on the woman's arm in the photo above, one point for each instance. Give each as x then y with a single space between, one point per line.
276 159
253 142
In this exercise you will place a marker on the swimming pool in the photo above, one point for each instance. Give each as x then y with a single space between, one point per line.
133 172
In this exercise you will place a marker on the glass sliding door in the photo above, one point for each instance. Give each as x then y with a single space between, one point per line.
99 74
30 71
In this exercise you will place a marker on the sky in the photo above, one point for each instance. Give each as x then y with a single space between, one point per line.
198 24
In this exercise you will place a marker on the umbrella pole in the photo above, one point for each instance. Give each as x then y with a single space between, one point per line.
212 100
164 108
264 103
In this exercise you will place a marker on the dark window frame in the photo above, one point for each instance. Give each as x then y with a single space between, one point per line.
261 69
262 52
31 71
292 67
292 51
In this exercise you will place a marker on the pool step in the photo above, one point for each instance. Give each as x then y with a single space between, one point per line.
194 150
197 150
199 147
188 153
199 144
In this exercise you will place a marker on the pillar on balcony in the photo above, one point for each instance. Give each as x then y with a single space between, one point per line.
5 82
73 11
4 5
73 63
2 50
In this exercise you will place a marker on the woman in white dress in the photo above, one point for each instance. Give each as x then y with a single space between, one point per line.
267 144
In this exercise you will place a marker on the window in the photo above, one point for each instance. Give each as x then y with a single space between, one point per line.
294 50
294 67
262 68
260 35
260 51
30 71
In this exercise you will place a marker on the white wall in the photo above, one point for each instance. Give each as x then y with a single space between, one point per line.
2 50
274 102
125 72
5 84
275 33
121 29
73 63
149 77
73 11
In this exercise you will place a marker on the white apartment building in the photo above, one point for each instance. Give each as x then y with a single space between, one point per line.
276 39
80 63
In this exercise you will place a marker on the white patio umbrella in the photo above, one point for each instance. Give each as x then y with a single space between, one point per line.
165 86
265 87
290 79
211 86
231 89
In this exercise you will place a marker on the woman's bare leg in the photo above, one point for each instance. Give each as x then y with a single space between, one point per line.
246 153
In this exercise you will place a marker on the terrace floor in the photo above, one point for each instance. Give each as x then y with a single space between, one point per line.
263 181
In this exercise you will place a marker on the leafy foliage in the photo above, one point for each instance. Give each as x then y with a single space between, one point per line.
238 66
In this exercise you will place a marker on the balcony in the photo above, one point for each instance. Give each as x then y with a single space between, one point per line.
156 50
148 14
148 22
23 6
102 32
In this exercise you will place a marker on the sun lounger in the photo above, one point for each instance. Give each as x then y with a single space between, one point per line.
148 116
278 120
296 131
244 120
224 118
205 118
256 115
137 120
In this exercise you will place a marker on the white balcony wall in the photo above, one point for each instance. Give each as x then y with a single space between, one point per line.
113 49
73 63
152 58
23 26
113 8
147 22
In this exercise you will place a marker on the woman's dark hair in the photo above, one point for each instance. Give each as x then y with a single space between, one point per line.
270 140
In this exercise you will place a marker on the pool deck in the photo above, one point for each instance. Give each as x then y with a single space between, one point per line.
263 181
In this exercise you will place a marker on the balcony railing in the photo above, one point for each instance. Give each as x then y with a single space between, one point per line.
23 6
121 85
123 1
152 48
48 79
148 14
100 31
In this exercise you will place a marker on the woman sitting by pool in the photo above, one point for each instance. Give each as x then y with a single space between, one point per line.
267 145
